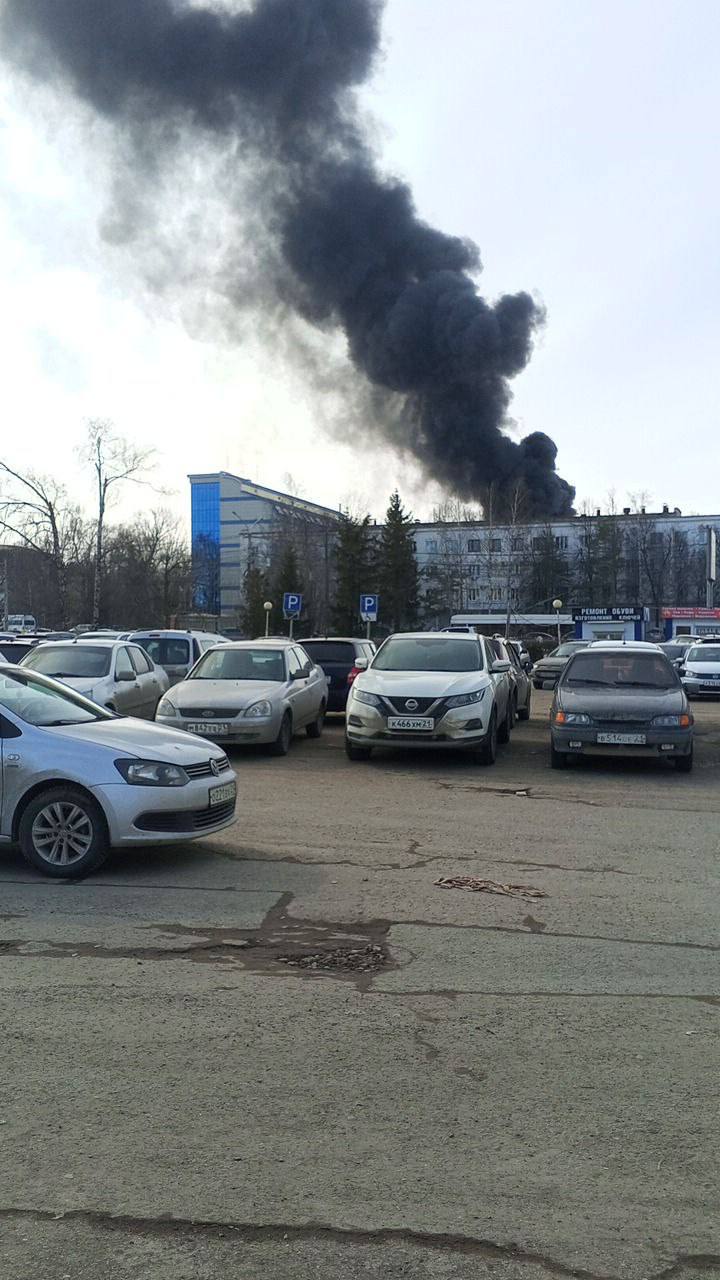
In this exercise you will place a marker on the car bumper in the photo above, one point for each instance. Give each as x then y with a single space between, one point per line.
545 680
242 731
158 815
658 742
457 730
702 688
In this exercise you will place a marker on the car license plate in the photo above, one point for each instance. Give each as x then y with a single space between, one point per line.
411 722
620 739
209 728
220 795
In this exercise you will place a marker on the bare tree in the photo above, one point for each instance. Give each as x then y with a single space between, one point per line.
114 461
35 510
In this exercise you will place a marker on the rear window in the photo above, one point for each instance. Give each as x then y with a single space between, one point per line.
166 651
330 651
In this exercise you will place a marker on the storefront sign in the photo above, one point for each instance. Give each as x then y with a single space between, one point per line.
611 613
691 613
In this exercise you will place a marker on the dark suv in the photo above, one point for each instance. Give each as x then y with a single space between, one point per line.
337 655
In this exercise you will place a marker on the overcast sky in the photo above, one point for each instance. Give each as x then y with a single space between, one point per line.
576 143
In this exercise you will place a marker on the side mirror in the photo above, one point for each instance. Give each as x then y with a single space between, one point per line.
361 664
125 677
499 666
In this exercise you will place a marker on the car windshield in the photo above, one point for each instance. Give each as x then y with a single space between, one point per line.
240 664
565 650
621 669
165 651
431 653
41 702
703 653
72 661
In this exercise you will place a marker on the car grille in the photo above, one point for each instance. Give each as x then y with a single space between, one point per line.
205 769
612 724
186 820
399 706
217 713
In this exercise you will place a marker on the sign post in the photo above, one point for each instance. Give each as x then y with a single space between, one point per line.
292 607
711 567
369 606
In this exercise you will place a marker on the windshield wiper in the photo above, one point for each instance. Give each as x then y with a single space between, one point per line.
602 684
642 684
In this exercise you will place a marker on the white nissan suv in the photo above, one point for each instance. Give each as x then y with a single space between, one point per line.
431 689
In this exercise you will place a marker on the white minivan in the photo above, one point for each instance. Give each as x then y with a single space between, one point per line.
176 651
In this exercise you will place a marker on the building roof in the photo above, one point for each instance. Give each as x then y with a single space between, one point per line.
288 501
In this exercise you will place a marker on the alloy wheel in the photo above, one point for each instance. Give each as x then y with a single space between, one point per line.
62 833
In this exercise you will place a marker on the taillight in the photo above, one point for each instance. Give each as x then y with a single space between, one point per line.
352 673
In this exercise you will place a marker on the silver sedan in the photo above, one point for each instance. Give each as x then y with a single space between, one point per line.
77 779
247 692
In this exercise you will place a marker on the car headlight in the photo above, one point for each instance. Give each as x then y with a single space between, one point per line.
151 773
671 722
259 709
572 717
466 699
166 708
691 675
371 698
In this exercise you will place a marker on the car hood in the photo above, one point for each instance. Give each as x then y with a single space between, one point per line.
622 704
424 684
703 668
211 694
82 684
551 664
143 739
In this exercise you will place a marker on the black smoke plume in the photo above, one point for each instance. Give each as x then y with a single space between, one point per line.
278 79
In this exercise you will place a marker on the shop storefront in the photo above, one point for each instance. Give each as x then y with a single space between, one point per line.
690 622
611 622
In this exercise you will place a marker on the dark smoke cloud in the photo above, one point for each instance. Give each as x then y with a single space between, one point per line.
278 80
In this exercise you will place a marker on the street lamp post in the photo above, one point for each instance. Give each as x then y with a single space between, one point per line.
268 610
557 606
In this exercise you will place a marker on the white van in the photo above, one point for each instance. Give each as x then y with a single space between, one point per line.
176 651
21 624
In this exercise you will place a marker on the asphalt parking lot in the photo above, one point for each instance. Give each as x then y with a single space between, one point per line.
288 1052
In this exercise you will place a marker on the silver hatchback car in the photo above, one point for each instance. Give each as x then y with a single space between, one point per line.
114 673
77 779
250 691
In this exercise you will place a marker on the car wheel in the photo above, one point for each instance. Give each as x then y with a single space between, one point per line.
507 725
684 764
524 712
315 729
558 759
281 745
356 753
488 751
63 833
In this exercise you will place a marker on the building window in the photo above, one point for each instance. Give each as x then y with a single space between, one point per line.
474 544
431 545
561 542
538 544
496 544
495 594
516 544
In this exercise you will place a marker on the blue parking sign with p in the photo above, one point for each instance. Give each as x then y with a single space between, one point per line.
369 608
292 604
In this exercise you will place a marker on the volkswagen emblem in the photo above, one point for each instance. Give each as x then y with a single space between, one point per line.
411 704
215 766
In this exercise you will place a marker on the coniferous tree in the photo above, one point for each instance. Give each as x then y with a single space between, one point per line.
255 593
355 573
397 568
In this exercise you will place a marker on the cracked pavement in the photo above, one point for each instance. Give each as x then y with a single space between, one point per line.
511 1089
